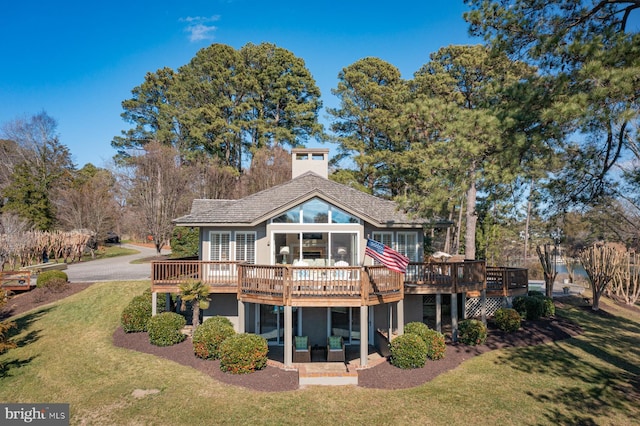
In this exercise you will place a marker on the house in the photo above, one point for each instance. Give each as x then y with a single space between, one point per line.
292 258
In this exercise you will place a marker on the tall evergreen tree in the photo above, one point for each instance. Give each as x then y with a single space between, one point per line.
45 167
367 123
463 137
225 103
591 56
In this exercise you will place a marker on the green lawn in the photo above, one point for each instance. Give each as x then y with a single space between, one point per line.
65 354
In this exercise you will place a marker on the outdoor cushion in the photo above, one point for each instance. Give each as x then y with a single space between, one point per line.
301 343
335 343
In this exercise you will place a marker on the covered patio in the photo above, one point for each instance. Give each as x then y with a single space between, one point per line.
290 287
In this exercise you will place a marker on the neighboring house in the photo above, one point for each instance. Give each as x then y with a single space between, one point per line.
292 258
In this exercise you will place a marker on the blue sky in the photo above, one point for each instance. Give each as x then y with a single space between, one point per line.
78 61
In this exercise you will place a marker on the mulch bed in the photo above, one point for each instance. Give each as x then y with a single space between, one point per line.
273 379
23 302
270 379
381 376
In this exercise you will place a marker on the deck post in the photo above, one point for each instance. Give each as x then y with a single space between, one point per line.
241 325
400 315
167 302
390 313
364 336
464 305
154 301
439 312
483 305
454 317
288 340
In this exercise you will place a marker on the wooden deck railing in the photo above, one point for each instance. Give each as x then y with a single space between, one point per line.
324 286
507 281
445 277
171 274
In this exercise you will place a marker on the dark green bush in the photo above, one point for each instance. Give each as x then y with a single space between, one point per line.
136 314
419 328
536 293
56 285
435 344
243 353
507 319
408 351
184 242
529 307
46 276
472 332
434 340
208 337
549 308
165 329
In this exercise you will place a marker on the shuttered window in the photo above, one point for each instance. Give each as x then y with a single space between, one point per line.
220 246
408 245
246 247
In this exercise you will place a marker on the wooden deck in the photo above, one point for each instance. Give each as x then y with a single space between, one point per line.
16 281
287 285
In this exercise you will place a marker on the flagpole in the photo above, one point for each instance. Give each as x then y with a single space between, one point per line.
364 254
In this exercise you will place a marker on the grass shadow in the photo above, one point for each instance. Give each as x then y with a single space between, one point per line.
6 367
613 382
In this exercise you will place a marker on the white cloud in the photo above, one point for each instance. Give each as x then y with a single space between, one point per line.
198 27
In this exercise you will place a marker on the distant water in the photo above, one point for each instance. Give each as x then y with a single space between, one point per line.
578 270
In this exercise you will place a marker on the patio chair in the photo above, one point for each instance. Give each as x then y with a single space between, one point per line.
301 349
335 349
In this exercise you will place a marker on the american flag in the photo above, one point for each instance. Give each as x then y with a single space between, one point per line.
387 256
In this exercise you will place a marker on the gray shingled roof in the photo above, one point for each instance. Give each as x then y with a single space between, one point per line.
265 204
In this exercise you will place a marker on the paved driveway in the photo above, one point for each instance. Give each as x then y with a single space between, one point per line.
113 269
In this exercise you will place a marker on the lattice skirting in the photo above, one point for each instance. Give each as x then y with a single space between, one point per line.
474 306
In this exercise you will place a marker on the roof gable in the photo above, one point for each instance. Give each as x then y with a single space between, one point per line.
263 205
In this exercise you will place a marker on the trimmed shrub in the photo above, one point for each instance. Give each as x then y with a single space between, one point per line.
208 337
165 329
529 307
418 328
243 353
136 314
46 276
434 340
56 285
472 332
507 319
408 351
549 308
436 346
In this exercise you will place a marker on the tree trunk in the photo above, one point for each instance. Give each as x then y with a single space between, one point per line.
526 227
456 243
471 219
548 268
195 320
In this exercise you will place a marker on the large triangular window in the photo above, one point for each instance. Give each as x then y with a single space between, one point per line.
315 211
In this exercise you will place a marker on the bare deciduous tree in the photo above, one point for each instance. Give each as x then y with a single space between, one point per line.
89 204
269 167
601 262
158 190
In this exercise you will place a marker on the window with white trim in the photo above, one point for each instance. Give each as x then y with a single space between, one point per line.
220 246
407 244
385 238
246 247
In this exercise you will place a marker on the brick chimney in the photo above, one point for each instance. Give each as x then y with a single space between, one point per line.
310 160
